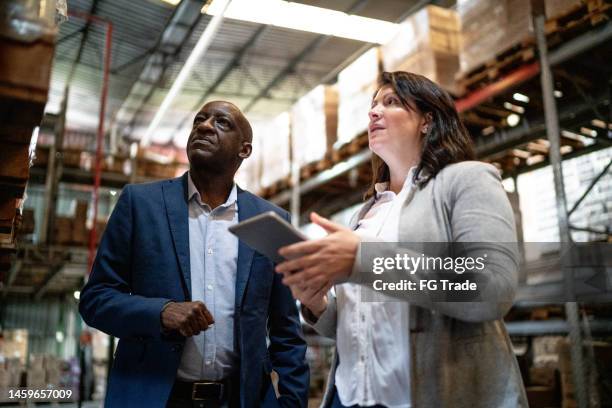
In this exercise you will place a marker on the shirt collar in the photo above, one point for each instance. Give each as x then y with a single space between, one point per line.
192 192
383 187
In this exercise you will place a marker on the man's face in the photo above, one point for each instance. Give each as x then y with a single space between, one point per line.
217 136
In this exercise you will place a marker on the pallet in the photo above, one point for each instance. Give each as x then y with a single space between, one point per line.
558 30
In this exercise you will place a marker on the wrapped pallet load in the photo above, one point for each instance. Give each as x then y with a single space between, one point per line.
492 27
356 86
275 148
427 43
314 122
248 175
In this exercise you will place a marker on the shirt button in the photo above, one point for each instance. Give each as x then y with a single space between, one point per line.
210 251
209 287
362 358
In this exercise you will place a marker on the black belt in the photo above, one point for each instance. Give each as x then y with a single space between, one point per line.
216 392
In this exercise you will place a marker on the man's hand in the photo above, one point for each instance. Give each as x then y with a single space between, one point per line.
188 318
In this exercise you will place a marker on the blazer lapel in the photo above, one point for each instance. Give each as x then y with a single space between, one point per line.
354 222
246 209
177 210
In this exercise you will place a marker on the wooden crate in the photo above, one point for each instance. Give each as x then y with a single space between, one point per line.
15 162
26 69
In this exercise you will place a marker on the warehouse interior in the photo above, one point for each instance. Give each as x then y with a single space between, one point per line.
97 94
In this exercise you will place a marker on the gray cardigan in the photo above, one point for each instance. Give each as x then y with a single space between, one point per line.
461 354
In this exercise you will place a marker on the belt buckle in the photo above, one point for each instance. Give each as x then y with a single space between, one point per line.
202 385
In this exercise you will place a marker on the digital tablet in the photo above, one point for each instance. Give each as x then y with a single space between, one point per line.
267 233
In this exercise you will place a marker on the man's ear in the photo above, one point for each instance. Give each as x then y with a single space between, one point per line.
246 150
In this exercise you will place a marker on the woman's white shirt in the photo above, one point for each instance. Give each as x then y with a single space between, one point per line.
372 338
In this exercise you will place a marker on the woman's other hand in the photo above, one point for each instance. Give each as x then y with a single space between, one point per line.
315 263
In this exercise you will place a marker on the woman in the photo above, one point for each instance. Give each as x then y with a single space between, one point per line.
425 189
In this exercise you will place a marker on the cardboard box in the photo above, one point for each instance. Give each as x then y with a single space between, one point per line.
26 70
356 86
248 175
428 43
15 159
490 27
63 229
275 148
314 122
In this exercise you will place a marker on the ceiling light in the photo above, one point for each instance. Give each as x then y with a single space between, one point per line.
513 119
113 193
558 94
77 294
297 16
514 108
520 97
59 336
173 2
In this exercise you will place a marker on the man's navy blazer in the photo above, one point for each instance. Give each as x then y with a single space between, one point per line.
143 262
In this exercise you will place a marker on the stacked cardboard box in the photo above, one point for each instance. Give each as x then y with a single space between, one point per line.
52 370
356 86
428 44
597 374
35 375
248 175
314 123
491 27
275 147
63 227
79 227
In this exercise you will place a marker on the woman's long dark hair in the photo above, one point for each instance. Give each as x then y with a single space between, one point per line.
447 140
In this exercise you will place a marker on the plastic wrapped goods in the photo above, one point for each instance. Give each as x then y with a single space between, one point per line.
275 148
356 86
248 175
314 122
28 20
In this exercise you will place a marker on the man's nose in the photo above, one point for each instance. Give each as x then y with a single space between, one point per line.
207 124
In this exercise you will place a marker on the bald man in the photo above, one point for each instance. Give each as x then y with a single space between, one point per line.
191 305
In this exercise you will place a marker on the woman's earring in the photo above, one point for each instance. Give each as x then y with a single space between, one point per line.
424 130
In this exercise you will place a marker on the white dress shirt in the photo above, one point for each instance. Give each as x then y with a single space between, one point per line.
373 337
213 256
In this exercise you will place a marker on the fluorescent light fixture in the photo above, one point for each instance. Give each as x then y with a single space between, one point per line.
588 131
113 192
303 17
173 2
558 94
514 108
195 56
77 294
520 97
59 336
513 119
